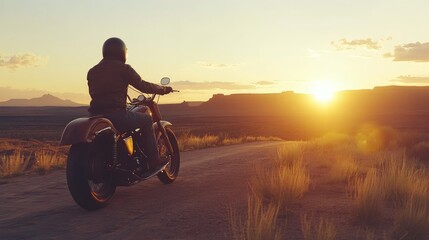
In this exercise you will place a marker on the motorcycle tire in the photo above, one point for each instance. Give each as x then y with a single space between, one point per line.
87 194
169 174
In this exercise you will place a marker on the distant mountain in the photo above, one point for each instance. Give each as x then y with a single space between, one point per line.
46 100
361 103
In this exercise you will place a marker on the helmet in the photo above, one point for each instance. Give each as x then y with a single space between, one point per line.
114 48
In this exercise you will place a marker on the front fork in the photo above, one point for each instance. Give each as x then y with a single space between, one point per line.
156 115
164 135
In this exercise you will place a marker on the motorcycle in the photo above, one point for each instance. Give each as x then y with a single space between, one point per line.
101 158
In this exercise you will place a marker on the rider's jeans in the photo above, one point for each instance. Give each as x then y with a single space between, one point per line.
124 121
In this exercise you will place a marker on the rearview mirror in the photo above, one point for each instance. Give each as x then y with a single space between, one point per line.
165 81
141 98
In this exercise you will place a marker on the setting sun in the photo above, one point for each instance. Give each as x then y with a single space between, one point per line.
323 91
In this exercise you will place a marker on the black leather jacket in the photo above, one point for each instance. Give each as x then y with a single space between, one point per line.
108 84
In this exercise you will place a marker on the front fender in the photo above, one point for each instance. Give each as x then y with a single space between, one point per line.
84 130
163 123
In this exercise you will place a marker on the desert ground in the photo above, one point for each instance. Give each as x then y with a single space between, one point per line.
369 183
196 206
329 193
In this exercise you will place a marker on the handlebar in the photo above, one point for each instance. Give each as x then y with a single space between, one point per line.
145 99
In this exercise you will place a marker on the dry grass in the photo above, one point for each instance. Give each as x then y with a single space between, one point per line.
283 186
403 185
289 155
14 164
412 221
260 224
389 190
401 179
343 169
323 230
18 157
369 234
306 227
285 182
47 160
189 142
419 151
369 196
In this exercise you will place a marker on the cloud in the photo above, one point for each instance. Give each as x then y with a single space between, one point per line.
188 85
265 83
216 65
344 44
414 52
20 60
411 79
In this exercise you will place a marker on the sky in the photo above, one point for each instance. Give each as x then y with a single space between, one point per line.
211 47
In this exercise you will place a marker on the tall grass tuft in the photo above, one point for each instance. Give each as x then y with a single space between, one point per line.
401 179
323 230
412 221
48 160
285 182
369 197
343 169
14 164
282 186
306 227
260 223
289 155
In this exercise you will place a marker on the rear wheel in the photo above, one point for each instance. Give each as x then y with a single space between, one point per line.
88 180
169 174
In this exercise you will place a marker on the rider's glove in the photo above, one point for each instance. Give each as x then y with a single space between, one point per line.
168 90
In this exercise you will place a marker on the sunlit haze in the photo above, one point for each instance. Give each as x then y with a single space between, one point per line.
323 91
210 47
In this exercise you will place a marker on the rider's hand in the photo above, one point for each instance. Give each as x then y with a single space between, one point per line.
168 90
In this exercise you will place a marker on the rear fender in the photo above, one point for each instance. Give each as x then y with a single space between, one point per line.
85 129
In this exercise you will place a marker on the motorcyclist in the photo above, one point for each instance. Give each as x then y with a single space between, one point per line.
108 84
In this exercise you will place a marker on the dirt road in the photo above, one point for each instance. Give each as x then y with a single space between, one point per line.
194 207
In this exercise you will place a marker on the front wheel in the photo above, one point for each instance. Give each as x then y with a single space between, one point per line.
169 174
90 185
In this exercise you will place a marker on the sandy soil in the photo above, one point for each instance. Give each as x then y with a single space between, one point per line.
196 206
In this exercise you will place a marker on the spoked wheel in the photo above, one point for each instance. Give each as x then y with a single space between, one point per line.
169 174
89 183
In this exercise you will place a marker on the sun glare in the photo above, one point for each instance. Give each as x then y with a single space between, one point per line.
323 91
